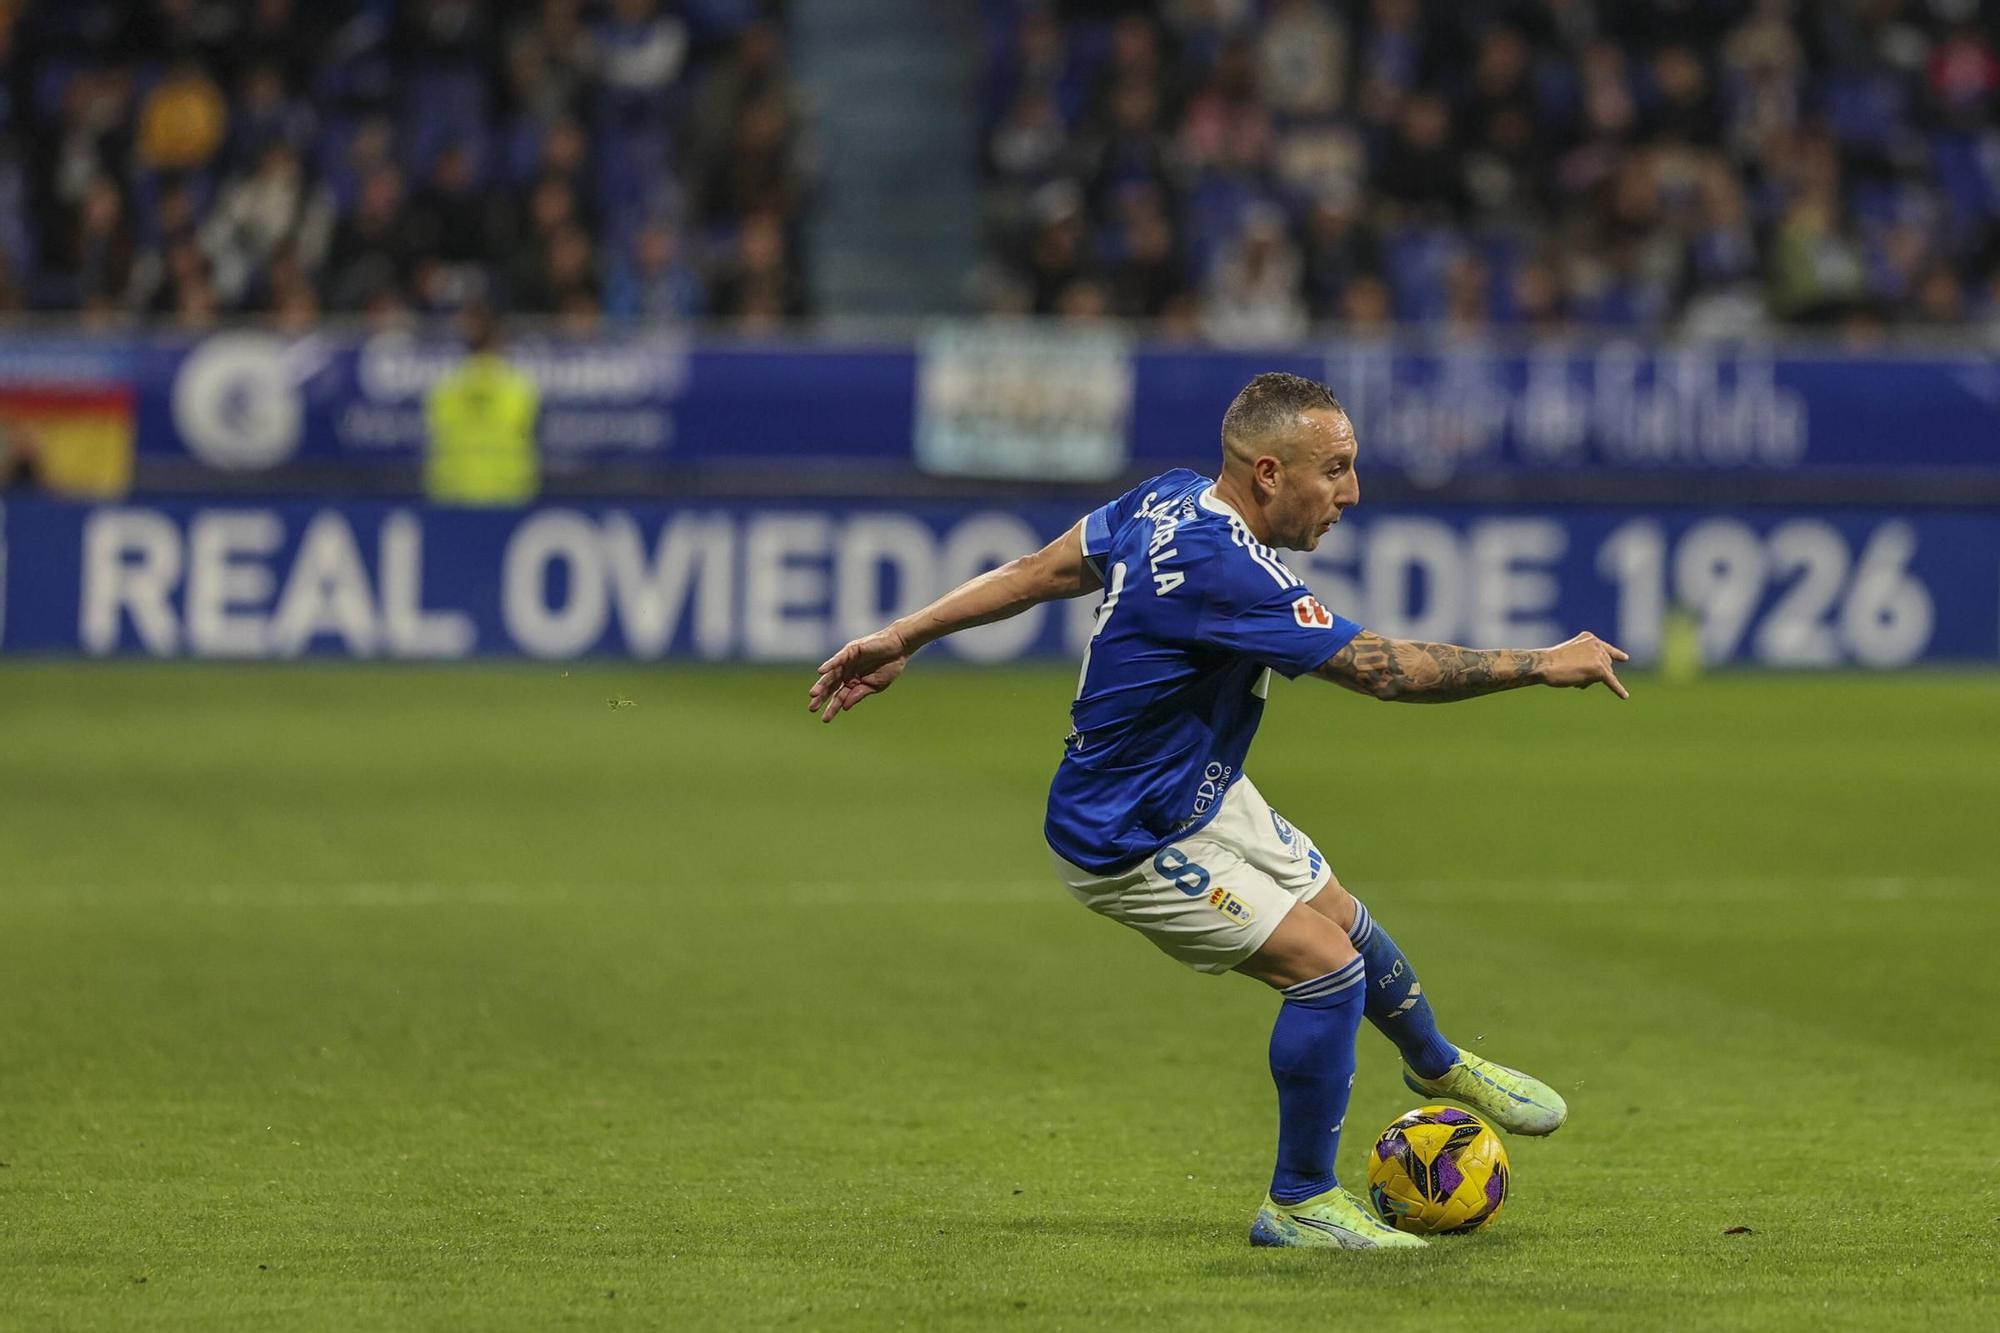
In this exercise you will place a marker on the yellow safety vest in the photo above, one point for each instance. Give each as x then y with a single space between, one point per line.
481 419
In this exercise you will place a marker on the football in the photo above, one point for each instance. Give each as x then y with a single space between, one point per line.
1438 1170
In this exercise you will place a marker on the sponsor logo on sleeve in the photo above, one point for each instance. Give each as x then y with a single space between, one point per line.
1309 612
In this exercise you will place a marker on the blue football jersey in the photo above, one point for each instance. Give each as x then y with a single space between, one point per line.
1195 612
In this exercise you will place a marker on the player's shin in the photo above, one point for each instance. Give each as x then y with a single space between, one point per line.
1312 1062
1396 1002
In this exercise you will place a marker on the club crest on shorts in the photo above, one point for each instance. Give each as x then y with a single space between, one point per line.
1231 906
1310 612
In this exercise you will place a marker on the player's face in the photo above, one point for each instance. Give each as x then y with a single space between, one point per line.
1319 483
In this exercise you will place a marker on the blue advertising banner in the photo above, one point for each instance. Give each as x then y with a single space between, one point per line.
988 403
789 583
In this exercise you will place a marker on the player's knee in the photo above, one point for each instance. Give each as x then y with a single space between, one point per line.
1305 945
1336 904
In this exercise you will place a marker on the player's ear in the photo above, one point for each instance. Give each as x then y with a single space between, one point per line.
1266 471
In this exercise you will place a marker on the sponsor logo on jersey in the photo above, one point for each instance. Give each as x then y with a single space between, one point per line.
1311 613
1214 779
1231 906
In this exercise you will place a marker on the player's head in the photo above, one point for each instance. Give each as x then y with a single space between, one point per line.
1288 449
482 328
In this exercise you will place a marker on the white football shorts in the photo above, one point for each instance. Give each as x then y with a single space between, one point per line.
1211 899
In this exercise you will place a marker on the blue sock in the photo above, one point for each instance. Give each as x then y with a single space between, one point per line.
1396 1003
1312 1062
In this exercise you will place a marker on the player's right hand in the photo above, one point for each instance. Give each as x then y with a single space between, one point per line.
865 666
1583 662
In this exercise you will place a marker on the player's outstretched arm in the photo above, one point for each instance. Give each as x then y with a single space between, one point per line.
871 664
1409 671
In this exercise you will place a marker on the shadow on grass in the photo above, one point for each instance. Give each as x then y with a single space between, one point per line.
1229 1251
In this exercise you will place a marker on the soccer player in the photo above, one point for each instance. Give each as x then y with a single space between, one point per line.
1151 819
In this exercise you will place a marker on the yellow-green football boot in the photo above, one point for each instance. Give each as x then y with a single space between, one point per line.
1335 1220
1507 1097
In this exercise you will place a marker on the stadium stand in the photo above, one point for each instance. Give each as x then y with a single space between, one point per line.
1241 169
194 160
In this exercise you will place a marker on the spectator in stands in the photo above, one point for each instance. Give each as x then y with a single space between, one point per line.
1721 296
568 272
275 205
634 108
20 459
1817 270
758 284
102 250
1060 253
1682 109
285 35
181 121
1536 298
373 249
756 172
1226 124
1940 297
1962 75
753 73
1419 169
640 53
1031 142
190 293
452 219
656 284
1252 296
1146 265
1084 303
1468 306
1340 248
291 298
1302 59
1366 307
1709 166
266 113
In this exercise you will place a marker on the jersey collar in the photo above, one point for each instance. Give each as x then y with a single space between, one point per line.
1215 504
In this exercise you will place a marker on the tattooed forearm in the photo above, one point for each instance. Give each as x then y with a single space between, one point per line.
1428 673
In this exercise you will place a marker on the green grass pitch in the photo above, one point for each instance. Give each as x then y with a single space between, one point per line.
531 998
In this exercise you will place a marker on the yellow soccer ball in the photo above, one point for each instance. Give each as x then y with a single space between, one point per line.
1438 1170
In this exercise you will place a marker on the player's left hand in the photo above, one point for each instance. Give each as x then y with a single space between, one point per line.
865 666
1582 662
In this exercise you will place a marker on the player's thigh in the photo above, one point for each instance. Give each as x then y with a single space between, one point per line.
1199 901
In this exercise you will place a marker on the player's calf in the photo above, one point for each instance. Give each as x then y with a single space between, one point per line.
1396 1002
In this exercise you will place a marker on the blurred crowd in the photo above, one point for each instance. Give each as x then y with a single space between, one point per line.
1240 169
586 160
